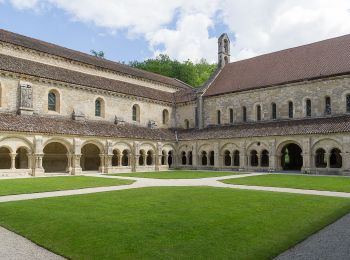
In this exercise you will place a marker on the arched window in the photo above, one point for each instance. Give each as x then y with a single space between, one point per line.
52 101
335 159
236 158
273 111
254 161
226 46
149 158
115 158
320 160
219 117
227 158
308 108
190 158
290 109
125 158
211 158
183 158
231 116
99 107
328 106
187 124
244 114
258 113
165 116
264 158
136 113
347 103
204 158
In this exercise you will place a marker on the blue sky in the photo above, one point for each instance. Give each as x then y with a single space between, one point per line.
184 29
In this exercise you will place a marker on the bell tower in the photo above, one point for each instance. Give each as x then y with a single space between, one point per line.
223 50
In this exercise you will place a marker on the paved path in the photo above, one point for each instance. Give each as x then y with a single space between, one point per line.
15 247
332 242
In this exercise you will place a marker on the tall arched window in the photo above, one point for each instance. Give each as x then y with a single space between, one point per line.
231 116
219 117
99 107
258 113
136 113
52 101
328 106
165 116
321 160
308 108
290 109
347 103
244 114
273 111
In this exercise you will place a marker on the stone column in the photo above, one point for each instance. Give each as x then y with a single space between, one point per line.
108 163
243 159
13 161
328 160
69 165
195 155
76 168
102 163
38 170
76 156
216 156
307 155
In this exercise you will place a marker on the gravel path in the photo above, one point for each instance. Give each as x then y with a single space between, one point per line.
15 247
331 243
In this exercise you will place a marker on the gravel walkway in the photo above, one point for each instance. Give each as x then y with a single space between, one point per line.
331 243
15 247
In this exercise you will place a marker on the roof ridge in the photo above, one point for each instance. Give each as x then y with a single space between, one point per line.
98 60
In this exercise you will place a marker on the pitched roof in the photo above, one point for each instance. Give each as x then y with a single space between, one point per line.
335 124
66 126
22 66
34 44
317 60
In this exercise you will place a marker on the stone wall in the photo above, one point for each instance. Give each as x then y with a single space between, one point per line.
316 91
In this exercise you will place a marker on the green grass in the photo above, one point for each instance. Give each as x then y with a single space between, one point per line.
328 183
177 174
172 223
32 185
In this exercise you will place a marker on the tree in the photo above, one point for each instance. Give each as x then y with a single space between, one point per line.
193 74
98 54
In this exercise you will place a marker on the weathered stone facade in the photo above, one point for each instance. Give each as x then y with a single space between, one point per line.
120 132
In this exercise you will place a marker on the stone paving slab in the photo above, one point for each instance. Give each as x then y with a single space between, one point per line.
15 247
331 243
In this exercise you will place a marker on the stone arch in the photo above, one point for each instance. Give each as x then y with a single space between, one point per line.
148 146
320 158
62 141
290 156
326 143
90 157
55 157
229 147
5 157
14 142
116 158
122 146
96 143
22 158
258 146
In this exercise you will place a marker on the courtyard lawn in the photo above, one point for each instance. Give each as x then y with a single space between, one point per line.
32 185
309 182
179 174
172 223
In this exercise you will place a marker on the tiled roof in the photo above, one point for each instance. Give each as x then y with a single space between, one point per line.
65 126
185 95
22 66
34 44
317 60
335 124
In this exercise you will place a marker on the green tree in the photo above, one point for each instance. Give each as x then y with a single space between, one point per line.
98 54
194 74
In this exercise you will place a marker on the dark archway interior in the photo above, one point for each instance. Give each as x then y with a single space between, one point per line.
5 158
291 158
21 160
55 158
90 158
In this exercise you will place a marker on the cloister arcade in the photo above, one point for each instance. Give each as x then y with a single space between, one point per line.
48 155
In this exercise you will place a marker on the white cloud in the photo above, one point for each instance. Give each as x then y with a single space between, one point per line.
259 26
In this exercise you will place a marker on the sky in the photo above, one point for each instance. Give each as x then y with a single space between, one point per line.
128 30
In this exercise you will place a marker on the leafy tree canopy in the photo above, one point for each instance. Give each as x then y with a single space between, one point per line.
187 71
98 54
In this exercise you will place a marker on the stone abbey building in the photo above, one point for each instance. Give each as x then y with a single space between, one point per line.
63 111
